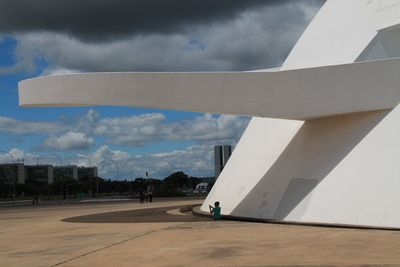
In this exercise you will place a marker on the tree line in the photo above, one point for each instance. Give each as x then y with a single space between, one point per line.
175 185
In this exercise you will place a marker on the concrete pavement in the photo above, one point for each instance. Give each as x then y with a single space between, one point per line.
38 236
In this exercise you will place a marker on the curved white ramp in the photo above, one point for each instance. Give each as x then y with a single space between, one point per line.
298 94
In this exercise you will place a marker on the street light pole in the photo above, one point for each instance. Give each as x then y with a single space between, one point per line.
133 191
58 157
97 180
88 160
118 179
91 178
9 154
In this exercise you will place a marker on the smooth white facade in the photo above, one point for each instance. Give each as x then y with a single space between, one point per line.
336 160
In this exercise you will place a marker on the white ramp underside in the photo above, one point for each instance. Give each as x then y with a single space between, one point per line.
298 94
334 170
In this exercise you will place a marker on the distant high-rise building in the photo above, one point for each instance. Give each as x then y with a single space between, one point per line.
64 172
40 173
12 173
221 156
87 172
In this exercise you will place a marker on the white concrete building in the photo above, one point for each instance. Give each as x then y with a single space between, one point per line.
324 144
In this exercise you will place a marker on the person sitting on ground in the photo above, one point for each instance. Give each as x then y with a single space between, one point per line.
215 211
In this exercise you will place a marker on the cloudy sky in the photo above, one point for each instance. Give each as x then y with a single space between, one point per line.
44 37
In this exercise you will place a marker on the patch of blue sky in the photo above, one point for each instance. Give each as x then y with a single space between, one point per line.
154 147
24 142
195 44
117 111
10 107
9 82
8 58
41 65
9 94
7 47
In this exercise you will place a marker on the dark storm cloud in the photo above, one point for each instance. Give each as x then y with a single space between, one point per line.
150 35
96 20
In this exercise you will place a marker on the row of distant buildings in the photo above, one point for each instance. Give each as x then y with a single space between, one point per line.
18 173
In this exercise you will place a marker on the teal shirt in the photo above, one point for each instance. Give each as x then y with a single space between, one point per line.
217 213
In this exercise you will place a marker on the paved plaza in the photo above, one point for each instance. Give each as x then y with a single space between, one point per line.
156 234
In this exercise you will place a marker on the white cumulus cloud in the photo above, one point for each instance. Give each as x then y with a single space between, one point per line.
13 126
69 141
139 130
195 160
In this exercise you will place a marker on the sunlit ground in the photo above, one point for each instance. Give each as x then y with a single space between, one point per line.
119 234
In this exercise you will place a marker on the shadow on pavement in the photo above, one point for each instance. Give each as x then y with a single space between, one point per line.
151 215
